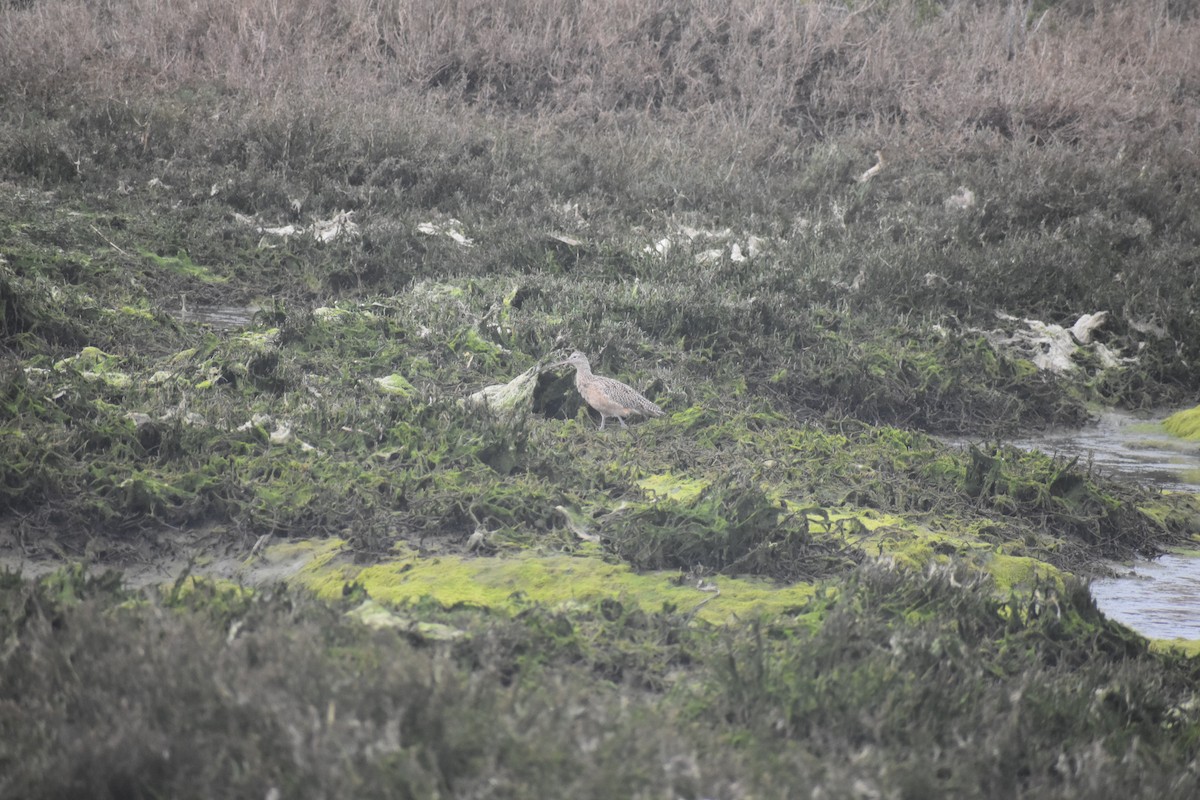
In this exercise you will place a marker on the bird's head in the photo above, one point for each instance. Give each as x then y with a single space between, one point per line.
576 359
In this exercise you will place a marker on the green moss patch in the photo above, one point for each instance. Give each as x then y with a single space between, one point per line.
182 265
396 384
1021 573
672 487
1188 648
557 581
1184 424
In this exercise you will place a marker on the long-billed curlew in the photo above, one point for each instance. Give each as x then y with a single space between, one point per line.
611 398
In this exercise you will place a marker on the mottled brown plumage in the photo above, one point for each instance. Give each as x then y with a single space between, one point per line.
611 398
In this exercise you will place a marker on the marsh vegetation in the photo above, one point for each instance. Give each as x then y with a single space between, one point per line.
786 586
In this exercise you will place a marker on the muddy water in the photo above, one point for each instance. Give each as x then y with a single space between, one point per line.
1161 598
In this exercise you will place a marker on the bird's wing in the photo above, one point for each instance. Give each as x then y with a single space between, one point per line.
628 397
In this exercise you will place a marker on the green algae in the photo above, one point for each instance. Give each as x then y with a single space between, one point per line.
730 526
855 524
691 417
181 264
468 341
563 581
555 581
396 384
672 487
88 359
1184 424
332 315
374 615
916 547
214 596
438 293
137 312
73 582
142 493
1021 573
1188 648
1178 511
258 342
93 364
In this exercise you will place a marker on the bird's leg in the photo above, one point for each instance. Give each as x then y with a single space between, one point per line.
622 421
602 419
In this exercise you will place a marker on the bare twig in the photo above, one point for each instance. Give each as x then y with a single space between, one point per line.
111 243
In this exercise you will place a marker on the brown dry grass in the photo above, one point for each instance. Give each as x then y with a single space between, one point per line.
910 75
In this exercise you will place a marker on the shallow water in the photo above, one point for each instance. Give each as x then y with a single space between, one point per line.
1161 598
1120 443
221 318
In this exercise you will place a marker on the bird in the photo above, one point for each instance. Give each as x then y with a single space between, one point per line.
610 397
